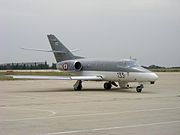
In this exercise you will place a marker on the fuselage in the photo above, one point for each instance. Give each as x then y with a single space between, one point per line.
81 69
117 71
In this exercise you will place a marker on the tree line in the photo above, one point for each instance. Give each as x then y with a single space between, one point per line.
27 66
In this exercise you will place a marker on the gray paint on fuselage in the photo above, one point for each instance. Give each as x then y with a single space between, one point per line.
103 65
66 61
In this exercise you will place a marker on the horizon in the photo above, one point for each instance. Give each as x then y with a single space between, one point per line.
146 30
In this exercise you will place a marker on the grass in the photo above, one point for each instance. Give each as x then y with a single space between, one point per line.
3 78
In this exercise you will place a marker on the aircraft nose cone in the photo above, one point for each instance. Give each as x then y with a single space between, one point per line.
154 76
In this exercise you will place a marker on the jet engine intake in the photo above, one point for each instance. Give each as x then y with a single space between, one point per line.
78 66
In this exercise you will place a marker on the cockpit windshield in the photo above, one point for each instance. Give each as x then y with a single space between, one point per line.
128 63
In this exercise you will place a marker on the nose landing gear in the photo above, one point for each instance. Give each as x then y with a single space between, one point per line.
108 85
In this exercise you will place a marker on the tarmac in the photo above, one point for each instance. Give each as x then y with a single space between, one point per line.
34 107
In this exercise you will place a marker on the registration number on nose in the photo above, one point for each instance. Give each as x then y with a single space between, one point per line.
121 75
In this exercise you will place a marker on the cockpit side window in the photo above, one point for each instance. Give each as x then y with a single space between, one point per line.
132 64
123 64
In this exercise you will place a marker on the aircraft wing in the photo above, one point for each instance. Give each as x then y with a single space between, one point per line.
84 78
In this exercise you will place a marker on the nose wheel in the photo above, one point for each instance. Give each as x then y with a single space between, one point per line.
139 88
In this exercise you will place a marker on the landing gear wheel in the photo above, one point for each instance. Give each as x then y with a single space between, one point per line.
78 88
139 88
107 86
78 85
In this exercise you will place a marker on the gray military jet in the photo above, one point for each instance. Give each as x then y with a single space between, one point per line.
83 69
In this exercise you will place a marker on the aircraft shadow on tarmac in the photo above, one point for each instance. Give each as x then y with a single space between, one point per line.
119 90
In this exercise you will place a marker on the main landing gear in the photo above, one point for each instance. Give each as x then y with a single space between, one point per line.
108 85
78 85
139 88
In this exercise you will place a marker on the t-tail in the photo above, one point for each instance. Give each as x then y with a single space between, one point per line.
61 53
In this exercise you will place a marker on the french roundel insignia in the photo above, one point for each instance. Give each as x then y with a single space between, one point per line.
65 66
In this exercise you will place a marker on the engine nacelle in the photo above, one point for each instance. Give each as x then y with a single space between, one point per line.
78 66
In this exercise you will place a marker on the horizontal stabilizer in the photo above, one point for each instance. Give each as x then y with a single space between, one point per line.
41 50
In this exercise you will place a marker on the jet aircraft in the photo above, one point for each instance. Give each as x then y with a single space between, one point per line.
84 69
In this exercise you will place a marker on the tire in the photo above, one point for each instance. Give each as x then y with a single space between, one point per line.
139 89
78 88
107 86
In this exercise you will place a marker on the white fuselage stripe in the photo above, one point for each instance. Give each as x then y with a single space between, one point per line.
118 77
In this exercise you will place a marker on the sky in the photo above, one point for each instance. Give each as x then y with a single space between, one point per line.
148 30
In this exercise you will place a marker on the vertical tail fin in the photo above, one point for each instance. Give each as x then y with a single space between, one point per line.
61 53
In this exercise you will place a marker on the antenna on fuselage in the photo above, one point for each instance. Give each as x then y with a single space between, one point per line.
132 58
